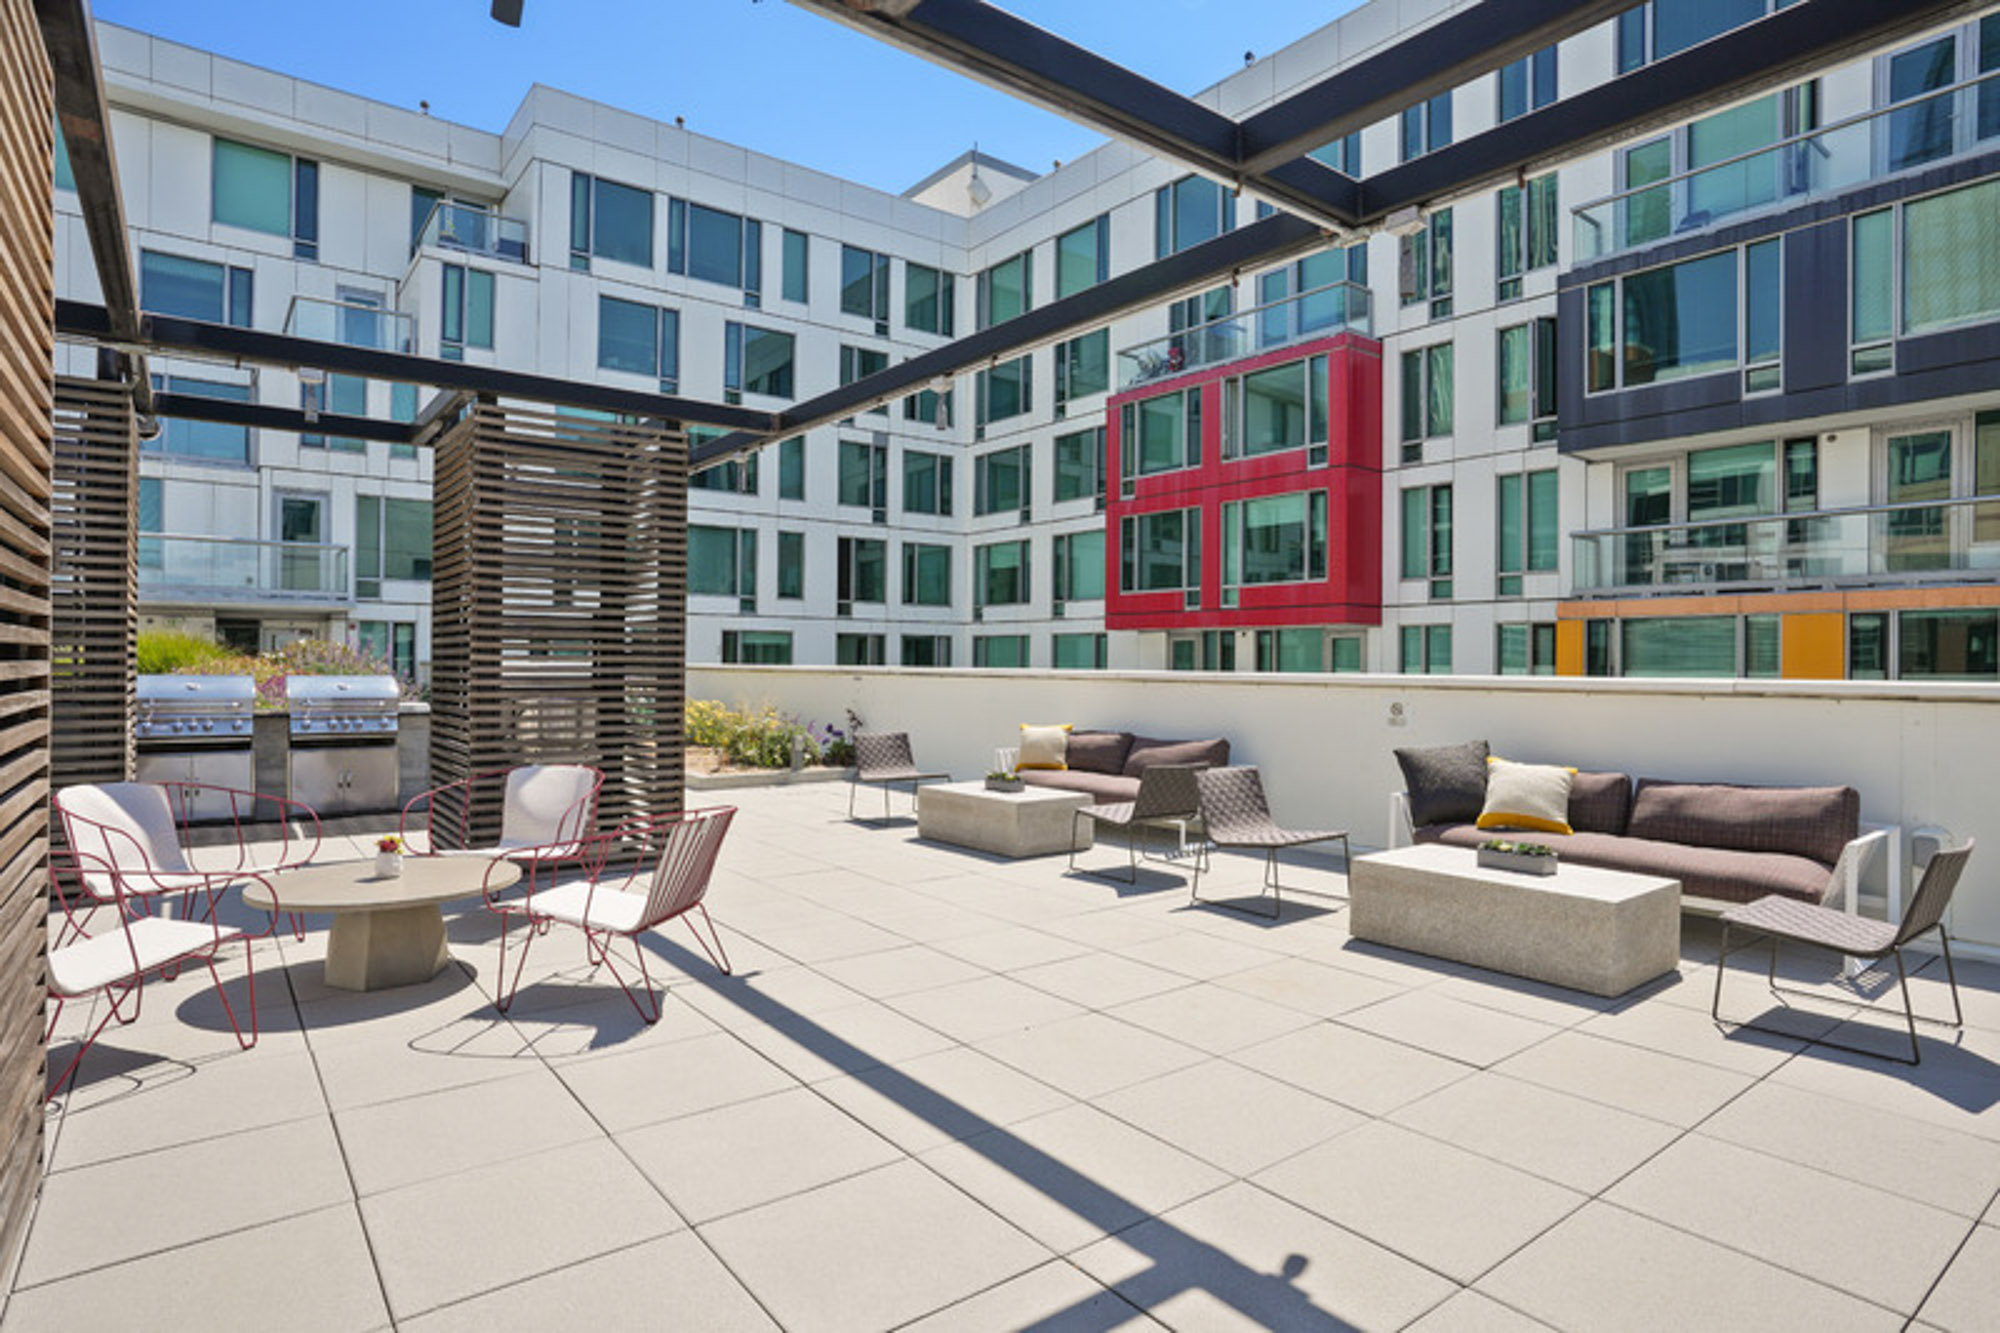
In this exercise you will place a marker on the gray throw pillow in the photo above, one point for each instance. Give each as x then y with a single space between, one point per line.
1446 783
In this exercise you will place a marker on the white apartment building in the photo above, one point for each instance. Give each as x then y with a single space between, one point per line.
1720 400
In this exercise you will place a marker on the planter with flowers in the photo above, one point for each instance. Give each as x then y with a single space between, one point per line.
388 857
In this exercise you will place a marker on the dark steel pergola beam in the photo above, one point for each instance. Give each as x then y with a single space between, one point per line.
267 416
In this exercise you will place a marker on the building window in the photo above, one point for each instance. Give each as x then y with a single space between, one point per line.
1669 323
1949 276
1291 650
1426 650
737 476
1763 316
152 519
1427 537
1079 566
1948 645
1763 647
926 650
1160 434
1083 367
1427 397
1677 646
1273 539
1002 481
392 540
791 565
722 562
859 649
1191 210
927 299
1078 652
1080 465
792 468
1006 291
1006 390
1528 84
338 395
926 574
1938 124
1343 155
751 647
610 221
1276 408
1344 653
862 574
1526 527
1161 552
864 477
65 173
929 406
926 482
1527 649
389 641
858 363
1663 28
467 313
795 270
194 289
1426 127
1872 314
756 360
267 191
641 339
1000 650
1000 574
1528 377
1083 256
1728 140
202 441
1424 268
1211 650
1528 225
864 285
715 246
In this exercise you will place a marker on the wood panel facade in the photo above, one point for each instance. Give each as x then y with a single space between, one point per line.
95 595
27 387
558 593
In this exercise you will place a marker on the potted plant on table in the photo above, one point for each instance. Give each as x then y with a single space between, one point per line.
1527 858
1002 780
388 857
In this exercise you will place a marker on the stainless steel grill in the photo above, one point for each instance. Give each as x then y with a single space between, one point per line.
196 729
343 741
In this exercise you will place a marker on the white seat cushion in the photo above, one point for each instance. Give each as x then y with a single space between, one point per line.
610 909
95 963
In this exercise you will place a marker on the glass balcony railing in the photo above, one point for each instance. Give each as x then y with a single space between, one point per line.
1912 133
350 323
1338 307
228 569
477 230
1873 544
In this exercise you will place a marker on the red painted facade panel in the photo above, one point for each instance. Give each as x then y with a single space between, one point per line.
1351 592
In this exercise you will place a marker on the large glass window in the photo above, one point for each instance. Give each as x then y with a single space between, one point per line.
1005 390
1951 258
1527 376
757 647
864 284
1663 28
1080 465
1079 566
1006 290
1427 537
1526 649
1428 397
267 191
1083 366
926 650
467 313
1002 481
797 266
1191 210
392 541
1426 650
864 475
792 468
858 363
202 441
926 574
1291 650
1526 526
194 289
1528 84
338 395
1078 652
1678 646
1000 574
756 360
1948 645
1343 154
927 299
926 482
1160 552
1872 314
863 573
1426 127
1083 256
642 339
1000 650
722 562
152 518
791 564
1680 320
1424 264
715 246
610 221
1528 228
859 649
1161 434
1276 408
1273 539
1921 133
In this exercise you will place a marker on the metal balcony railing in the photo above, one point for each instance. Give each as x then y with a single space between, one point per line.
350 323
474 229
1900 543
1338 307
176 568
1913 133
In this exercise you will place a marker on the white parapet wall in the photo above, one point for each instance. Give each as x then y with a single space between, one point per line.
1922 755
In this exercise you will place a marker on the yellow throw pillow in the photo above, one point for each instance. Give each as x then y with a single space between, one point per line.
1526 796
1044 747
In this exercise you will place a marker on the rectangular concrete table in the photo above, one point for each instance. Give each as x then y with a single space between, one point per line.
1034 821
1602 931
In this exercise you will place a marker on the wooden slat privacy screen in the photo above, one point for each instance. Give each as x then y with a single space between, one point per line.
95 610
27 359
558 595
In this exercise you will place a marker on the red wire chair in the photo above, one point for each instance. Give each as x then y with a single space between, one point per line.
641 876
547 813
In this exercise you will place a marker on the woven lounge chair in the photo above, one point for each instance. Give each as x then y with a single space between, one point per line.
882 759
1167 797
1779 919
1234 813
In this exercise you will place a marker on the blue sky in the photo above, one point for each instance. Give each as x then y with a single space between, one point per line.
759 73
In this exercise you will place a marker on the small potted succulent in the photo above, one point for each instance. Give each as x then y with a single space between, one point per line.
388 857
1527 858
1002 780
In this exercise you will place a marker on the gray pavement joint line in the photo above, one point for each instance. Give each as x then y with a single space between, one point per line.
1958 1250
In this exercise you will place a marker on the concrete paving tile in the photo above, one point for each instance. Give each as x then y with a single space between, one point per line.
390 1144
1055 1298
1244 1258
1693 1035
1648 1083
195 1192
934 1099
752 998
1470 1312
738 1156
1955 1087
448 1239
842 1041
1212 1018
1236 1118
1967 1297
1100 981
1431 1202
361 1073
314 1267
647 1086
163 1104
1795 1217
1582 1144
1090 1054
834 939
1310 987
870 1252
1073 1176
1008 948
1558 1006
1605 1268
898 971
1199 955
1369 1073
1448 1027
1111 928
975 1010
603 1022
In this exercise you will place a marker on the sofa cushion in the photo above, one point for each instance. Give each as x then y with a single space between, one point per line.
1103 788
1704 872
1526 796
1600 802
1814 822
1446 784
1043 747
1146 752
1099 751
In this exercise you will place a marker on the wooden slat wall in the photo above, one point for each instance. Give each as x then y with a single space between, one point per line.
27 359
95 601
558 594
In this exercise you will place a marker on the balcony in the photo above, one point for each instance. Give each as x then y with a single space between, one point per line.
1914 133
1924 541
473 230
198 571
350 323
1338 307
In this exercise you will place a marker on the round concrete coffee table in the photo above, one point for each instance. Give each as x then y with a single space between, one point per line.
386 931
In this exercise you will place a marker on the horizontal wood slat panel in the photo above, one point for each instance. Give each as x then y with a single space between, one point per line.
95 596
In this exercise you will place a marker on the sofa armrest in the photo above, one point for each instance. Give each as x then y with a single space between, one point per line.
1401 832
1004 758
1880 842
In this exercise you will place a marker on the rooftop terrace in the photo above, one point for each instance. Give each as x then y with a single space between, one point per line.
945 1091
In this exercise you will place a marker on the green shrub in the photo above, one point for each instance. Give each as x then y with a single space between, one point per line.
760 739
167 650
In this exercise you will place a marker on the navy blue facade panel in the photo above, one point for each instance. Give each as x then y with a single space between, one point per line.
1569 359
1950 349
1815 327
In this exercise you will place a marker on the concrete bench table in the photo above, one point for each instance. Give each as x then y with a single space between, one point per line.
1035 821
1601 931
